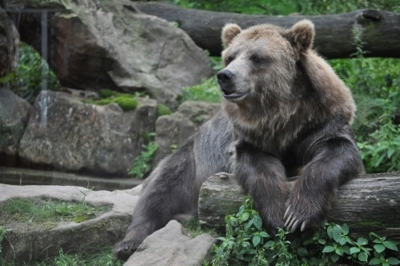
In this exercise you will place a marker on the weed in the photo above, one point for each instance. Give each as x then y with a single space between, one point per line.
193 226
142 163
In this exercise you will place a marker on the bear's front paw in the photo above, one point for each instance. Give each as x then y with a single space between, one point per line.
124 249
303 213
272 219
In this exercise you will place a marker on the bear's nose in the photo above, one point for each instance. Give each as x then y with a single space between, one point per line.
225 76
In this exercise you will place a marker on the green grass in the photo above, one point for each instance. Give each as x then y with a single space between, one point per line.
103 257
46 212
126 101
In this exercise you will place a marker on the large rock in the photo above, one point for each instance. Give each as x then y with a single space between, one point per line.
27 243
169 246
69 135
13 120
173 130
9 40
110 44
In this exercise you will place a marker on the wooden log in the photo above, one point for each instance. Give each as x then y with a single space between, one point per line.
370 203
334 33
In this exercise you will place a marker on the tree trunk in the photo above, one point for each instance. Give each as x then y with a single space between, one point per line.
334 33
370 203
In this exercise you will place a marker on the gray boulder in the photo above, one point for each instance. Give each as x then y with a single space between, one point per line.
14 113
69 135
173 130
169 246
110 44
27 242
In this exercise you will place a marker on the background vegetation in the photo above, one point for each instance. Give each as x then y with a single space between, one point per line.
375 82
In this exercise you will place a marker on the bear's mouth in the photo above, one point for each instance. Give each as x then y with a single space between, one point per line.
229 95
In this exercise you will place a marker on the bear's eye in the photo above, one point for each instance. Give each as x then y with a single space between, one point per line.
255 58
229 59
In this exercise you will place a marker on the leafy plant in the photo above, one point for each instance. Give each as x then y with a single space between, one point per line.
246 243
142 163
207 91
31 75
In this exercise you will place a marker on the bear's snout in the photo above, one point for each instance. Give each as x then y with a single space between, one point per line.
226 83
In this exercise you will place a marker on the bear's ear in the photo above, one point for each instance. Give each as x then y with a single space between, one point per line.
302 34
229 32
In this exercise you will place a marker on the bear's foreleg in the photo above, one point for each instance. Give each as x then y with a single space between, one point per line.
170 190
263 177
333 163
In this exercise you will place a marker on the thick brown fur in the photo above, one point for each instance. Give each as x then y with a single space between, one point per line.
285 113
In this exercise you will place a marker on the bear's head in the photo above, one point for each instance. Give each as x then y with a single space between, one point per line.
262 59
269 67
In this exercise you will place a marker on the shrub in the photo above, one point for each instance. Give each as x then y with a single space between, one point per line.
246 243
31 75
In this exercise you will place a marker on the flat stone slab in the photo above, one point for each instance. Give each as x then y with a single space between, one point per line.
107 229
18 176
169 246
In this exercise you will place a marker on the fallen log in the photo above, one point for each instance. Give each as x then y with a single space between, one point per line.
370 203
334 33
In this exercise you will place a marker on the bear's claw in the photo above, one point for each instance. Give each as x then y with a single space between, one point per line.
124 250
291 221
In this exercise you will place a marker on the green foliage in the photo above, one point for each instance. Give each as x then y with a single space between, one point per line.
375 83
126 101
207 91
246 243
272 7
286 7
320 7
142 163
162 109
27 80
37 211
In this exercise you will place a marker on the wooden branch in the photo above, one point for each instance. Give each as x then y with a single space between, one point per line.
334 33
370 203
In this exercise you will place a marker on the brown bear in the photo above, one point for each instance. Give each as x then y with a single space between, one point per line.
285 113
